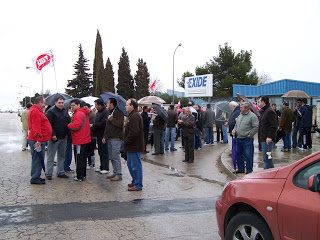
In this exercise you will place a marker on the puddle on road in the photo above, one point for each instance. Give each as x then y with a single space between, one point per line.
15 215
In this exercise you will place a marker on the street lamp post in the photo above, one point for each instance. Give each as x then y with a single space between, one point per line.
173 74
41 78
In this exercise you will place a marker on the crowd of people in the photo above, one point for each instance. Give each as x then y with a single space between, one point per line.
115 135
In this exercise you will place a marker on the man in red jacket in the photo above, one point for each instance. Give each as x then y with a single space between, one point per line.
81 136
40 131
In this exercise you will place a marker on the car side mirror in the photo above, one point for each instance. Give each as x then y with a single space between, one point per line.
314 183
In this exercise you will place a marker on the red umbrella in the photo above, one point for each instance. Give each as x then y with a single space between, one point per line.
253 107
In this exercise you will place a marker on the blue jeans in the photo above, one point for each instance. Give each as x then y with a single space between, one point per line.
37 164
209 135
287 140
135 168
295 132
114 146
170 131
225 134
197 139
68 157
245 154
268 161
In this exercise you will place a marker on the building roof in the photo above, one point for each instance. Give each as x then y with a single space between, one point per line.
277 88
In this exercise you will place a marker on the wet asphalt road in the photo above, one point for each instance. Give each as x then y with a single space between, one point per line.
177 201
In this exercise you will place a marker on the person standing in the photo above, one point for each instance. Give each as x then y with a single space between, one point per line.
245 129
91 157
198 144
171 128
207 122
285 124
40 132
59 120
24 120
219 122
305 115
181 115
235 112
296 126
98 130
267 131
133 145
146 124
188 125
159 126
113 134
81 137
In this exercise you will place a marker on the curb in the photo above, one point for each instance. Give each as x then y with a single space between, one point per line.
225 164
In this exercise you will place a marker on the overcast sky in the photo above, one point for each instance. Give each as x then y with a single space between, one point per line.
283 36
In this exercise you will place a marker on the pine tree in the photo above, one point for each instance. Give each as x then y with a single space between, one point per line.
98 67
125 85
81 85
142 80
108 85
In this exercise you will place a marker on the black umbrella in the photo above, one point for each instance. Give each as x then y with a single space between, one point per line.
67 103
223 106
161 112
121 102
50 100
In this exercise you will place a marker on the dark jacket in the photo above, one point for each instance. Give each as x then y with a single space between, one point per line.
159 123
305 115
100 122
114 126
286 120
59 120
232 120
199 120
188 125
133 135
146 120
208 118
267 124
173 118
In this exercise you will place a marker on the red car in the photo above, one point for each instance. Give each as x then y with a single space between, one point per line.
279 203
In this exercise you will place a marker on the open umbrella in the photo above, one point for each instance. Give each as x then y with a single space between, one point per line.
151 100
161 112
50 100
89 99
295 94
253 108
223 106
121 102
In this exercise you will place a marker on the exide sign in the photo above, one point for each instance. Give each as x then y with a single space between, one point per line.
199 86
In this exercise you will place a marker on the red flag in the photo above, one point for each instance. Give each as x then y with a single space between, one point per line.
178 105
45 59
153 86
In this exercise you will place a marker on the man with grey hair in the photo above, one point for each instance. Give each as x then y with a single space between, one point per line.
235 112
245 129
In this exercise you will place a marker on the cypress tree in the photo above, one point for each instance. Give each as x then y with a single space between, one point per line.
109 78
98 67
81 85
142 80
125 85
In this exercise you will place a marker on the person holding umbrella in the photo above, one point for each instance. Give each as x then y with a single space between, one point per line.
40 132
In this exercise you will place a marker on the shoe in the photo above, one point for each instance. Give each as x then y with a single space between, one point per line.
49 177
146 151
43 180
205 144
37 181
23 149
155 153
111 176
173 149
116 178
104 171
166 149
97 170
248 172
190 161
130 185
88 167
302 149
76 179
70 171
134 189
63 176
185 161
284 150
236 172
212 144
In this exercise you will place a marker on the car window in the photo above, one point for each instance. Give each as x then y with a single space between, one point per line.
301 177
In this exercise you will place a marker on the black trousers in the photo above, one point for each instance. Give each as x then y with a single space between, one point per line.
189 147
219 131
82 153
91 148
146 137
307 141
158 141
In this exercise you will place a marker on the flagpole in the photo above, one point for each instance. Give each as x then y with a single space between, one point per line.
54 68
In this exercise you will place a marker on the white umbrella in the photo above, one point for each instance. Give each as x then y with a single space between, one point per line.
89 100
150 100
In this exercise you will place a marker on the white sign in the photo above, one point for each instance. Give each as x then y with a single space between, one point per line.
199 86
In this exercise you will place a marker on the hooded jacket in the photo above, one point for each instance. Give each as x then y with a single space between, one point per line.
39 125
80 127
